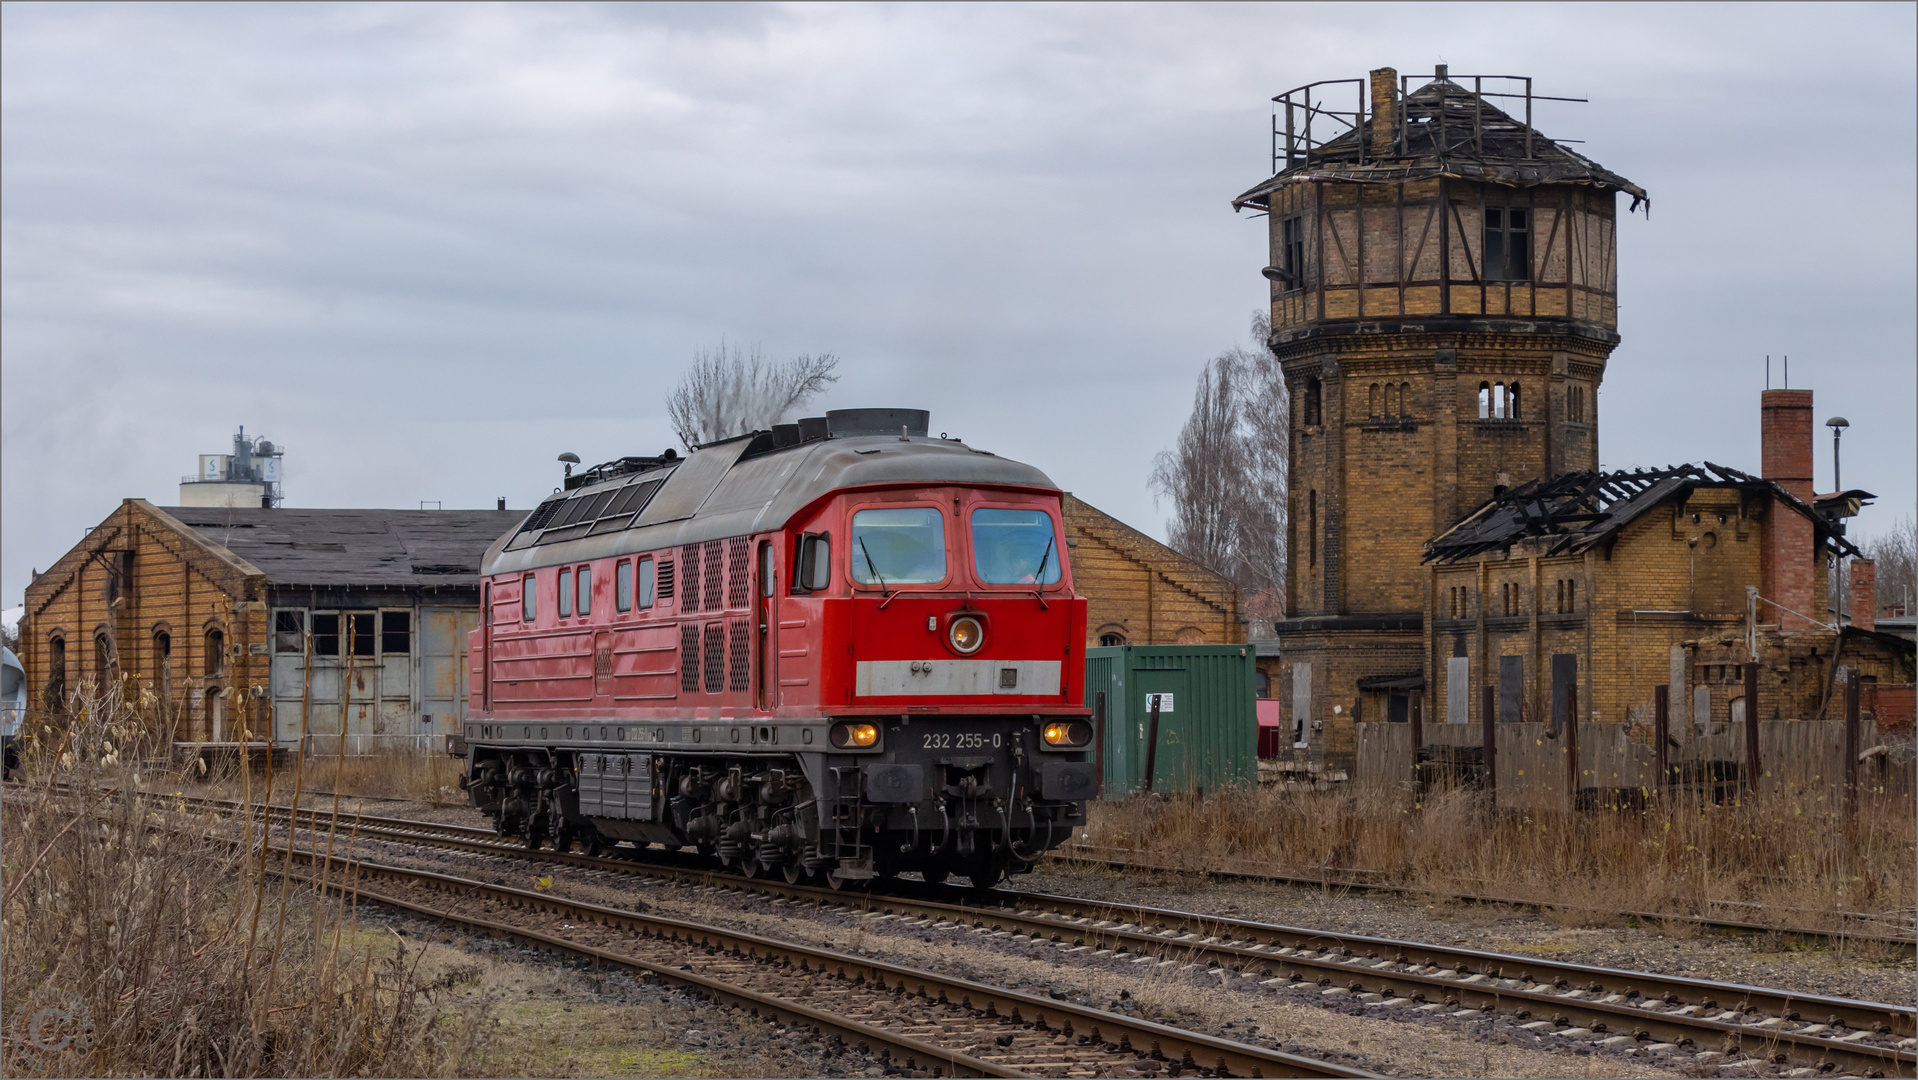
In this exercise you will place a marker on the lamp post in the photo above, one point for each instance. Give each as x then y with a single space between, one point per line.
1837 424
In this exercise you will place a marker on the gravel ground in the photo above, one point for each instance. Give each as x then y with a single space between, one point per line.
556 1017
1763 960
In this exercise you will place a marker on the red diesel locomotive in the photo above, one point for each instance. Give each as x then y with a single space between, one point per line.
839 649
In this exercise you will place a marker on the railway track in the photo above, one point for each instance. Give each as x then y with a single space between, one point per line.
1361 881
1607 1007
918 1020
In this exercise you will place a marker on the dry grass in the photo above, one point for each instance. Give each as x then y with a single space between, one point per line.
1791 855
170 947
431 778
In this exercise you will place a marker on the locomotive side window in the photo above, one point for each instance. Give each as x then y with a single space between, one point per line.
565 594
585 591
1014 547
813 572
528 598
647 582
623 586
903 545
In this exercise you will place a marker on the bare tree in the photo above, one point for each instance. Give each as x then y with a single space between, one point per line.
729 391
1226 475
1895 554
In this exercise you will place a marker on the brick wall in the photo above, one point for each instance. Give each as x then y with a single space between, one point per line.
1142 590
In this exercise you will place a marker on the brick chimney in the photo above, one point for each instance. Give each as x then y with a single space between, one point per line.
1786 562
1385 85
1864 594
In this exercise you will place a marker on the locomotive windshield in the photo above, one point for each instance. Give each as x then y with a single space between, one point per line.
899 546
1014 547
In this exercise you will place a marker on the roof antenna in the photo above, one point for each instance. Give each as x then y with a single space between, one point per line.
1768 371
1788 371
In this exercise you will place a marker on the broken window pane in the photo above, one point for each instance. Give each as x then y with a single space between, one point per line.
289 631
396 632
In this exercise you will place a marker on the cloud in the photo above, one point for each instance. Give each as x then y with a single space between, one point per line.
428 247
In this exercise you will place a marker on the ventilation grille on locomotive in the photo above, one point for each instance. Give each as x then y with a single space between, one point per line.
715 667
664 583
714 582
689 658
689 557
739 654
738 581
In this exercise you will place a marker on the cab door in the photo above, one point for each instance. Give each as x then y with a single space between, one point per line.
766 689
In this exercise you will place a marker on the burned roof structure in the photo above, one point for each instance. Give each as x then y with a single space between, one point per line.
1443 129
365 548
1579 511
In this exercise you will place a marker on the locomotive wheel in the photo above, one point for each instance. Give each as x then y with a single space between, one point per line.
983 870
935 877
795 872
751 867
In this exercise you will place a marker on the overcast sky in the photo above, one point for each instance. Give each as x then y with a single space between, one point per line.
429 248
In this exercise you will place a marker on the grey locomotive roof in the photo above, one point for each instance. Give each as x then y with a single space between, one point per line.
408 548
721 490
1498 154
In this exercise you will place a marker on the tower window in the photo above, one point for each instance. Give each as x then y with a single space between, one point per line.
1310 528
1372 401
1484 401
1292 252
1405 395
1511 402
1313 393
1575 404
1508 244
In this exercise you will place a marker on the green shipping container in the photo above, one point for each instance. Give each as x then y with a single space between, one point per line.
1208 716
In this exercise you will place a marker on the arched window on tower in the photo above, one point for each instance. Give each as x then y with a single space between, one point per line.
1511 404
1498 401
1312 394
1484 401
1372 401
1405 396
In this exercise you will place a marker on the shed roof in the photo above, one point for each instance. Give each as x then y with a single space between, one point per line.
1578 511
1480 142
387 548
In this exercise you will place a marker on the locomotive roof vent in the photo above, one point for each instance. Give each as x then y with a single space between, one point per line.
845 422
785 435
812 428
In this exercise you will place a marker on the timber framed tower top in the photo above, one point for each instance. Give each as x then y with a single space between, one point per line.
1434 210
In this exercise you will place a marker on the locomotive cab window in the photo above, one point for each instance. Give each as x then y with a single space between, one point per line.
812 571
1014 547
903 545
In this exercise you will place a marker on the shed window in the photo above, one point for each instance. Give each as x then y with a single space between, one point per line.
215 652
1508 243
102 656
1110 640
648 582
360 625
326 634
396 632
162 652
623 585
565 594
289 631
585 591
56 670
528 598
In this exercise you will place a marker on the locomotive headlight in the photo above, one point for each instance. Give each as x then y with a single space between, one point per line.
854 735
1067 733
966 634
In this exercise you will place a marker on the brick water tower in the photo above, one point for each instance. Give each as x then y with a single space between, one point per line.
1444 300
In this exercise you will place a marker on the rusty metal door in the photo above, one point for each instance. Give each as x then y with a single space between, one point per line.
442 652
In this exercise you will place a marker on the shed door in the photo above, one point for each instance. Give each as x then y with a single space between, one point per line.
442 650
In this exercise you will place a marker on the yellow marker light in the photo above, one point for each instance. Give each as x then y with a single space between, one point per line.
966 634
854 735
1067 733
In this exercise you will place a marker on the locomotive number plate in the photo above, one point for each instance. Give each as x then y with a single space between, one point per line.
963 740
